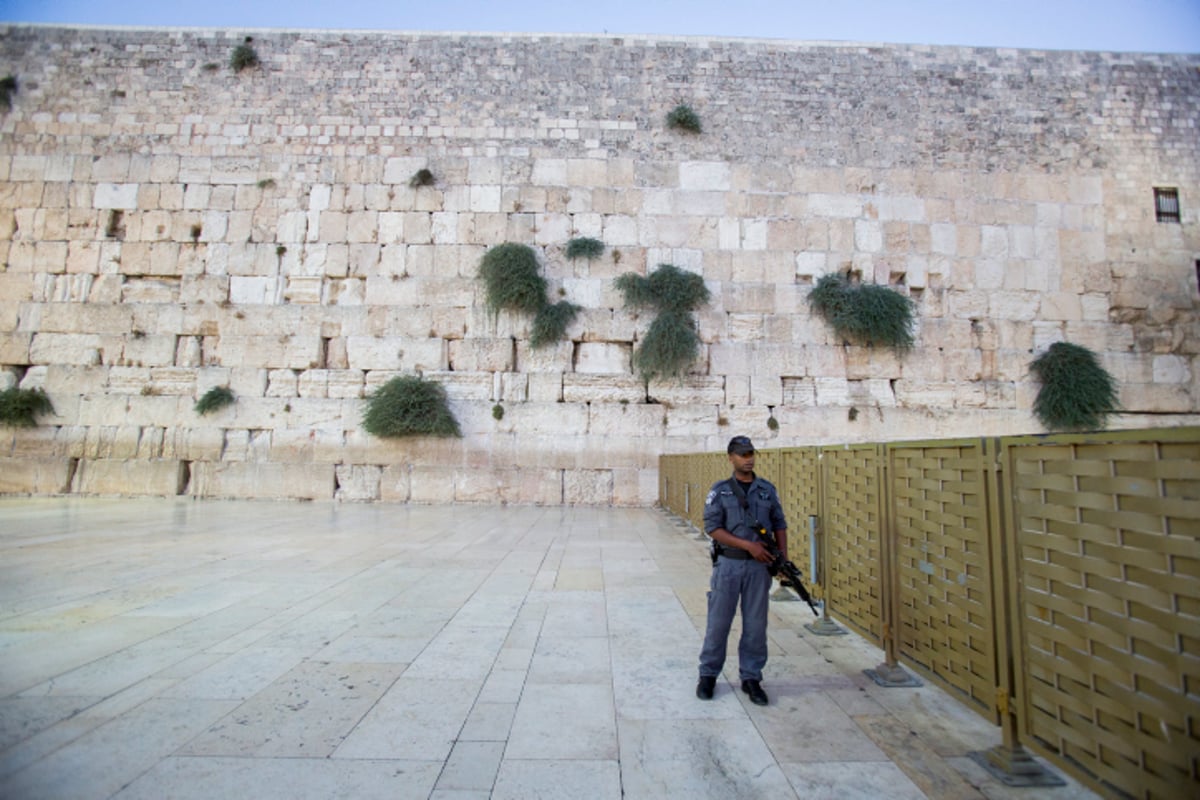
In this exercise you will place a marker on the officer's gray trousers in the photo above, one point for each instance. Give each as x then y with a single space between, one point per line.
733 580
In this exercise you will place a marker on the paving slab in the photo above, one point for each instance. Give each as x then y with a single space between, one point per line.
178 648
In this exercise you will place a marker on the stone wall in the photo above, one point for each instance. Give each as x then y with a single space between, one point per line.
168 225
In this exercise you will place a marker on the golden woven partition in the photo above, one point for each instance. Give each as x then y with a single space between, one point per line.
800 493
671 482
1107 555
853 528
944 619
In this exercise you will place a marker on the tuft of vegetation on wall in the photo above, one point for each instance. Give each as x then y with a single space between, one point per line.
672 343
1077 393
8 88
214 399
409 405
864 313
244 56
422 177
584 247
550 323
19 408
511 280
683 118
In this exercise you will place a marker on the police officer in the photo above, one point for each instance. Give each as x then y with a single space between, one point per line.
740 570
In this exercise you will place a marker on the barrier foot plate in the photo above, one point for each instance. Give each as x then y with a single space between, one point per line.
892 675
1014 766
825 627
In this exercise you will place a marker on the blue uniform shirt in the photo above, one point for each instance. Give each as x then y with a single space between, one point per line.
723 510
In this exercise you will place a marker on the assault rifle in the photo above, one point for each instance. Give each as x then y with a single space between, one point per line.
790 574
779 565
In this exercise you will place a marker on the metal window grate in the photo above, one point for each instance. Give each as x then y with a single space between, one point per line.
1166 205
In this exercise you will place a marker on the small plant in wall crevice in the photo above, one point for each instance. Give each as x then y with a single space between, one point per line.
671 343
864 313
584 247
214 399
550 323
244 56
422 177
512 282
8 88
1076 392
409 405
19 408
683 118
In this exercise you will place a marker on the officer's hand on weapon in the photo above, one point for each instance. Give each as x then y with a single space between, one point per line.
759 552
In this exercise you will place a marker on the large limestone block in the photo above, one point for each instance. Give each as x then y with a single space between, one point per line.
65 348
129 477
530 486
394 484
248 479
285 350
33 474
588 487
606 358
609 419
431 484
357 483
602 388
482 354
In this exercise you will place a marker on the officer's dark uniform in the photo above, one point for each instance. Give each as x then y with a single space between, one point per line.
736 576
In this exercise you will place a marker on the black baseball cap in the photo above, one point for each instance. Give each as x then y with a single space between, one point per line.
740 445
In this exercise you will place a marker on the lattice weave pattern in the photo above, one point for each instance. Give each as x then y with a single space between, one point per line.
853 528
943 561
1108 540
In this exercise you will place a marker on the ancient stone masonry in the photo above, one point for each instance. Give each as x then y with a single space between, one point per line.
168 225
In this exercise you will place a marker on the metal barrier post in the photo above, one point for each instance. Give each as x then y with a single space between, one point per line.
823 626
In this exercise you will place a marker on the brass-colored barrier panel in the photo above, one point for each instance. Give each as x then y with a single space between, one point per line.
1107 553
853 527
800 493
944 619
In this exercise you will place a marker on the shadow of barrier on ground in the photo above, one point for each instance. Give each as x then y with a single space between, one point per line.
1051 583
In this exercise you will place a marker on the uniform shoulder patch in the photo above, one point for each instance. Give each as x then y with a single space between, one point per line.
712 494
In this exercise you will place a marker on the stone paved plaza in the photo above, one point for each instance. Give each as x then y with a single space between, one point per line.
197 649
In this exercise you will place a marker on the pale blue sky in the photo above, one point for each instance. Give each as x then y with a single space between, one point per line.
1123 25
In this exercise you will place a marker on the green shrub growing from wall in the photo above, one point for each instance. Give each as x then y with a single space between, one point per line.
1077 393
19 408
8 88
409 405
683 118
215 398
422 177
244 56
864 313
511 280
550 323
584 247
671 343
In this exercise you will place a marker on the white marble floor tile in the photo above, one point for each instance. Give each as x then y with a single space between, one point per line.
715 758
416 719
558 779
205 778
564 721
571 660
472 765
238 676
307 712
103 760
839 780
488 722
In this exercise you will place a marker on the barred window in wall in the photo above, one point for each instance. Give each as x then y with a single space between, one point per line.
1166 204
